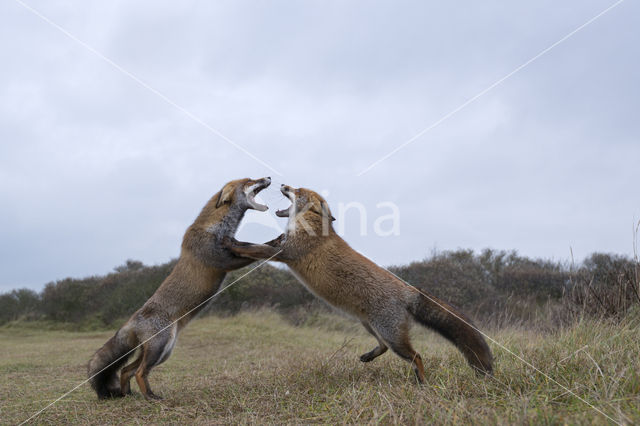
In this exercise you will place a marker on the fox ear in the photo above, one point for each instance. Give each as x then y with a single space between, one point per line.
225 195
323 210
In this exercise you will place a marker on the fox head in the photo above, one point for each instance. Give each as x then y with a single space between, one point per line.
239 194
308 210
242 193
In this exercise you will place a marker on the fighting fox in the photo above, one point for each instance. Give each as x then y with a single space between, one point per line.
201 268
324 263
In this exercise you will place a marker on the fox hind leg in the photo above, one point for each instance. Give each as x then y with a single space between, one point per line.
154 353
378 350
406 352
127 373
149 357
396 337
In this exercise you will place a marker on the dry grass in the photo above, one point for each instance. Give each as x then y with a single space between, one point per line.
256 368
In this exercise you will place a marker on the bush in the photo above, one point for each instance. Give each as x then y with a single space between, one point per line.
18 304
494 287
606 286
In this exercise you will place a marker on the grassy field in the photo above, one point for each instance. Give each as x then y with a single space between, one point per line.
256 368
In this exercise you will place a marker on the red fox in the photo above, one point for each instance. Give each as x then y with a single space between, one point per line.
332 270
200 270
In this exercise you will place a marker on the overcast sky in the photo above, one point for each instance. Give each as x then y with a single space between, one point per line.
104 161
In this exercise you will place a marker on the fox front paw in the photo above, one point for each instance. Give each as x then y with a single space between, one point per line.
276 241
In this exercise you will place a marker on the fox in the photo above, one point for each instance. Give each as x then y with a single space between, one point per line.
330 269
199 271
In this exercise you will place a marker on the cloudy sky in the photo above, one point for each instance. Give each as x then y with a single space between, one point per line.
118 120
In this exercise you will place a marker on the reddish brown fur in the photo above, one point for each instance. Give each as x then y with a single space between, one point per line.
200 270
332 270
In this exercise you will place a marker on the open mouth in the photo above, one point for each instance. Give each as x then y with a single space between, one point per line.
287 193
254 190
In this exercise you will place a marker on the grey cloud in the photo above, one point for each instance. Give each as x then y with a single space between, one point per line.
95 169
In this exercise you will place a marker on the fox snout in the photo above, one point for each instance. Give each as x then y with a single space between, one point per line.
262 183
286 190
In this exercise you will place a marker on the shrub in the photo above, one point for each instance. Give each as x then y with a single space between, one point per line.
606 286
494 287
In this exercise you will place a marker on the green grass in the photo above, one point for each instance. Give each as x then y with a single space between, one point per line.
256 368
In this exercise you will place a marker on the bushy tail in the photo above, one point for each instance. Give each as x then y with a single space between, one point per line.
454 326
104 365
